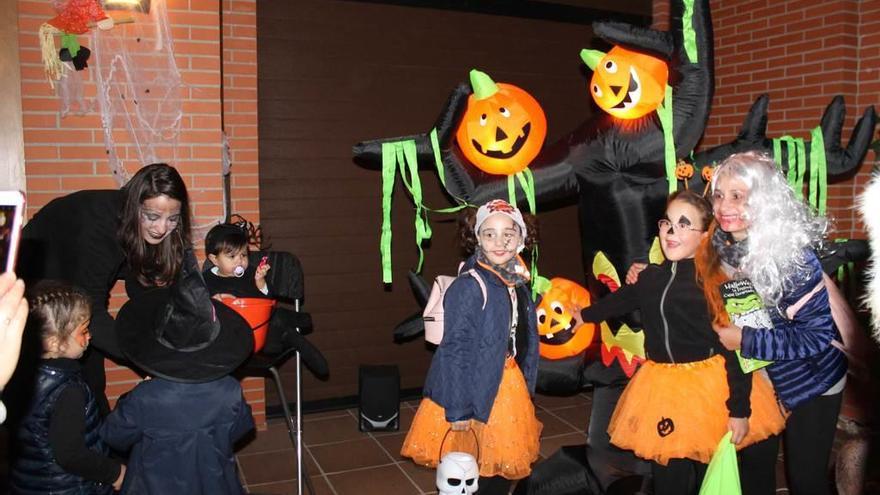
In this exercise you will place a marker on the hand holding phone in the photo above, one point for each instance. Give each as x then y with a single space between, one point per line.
11 219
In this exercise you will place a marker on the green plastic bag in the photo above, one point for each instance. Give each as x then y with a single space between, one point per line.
722 476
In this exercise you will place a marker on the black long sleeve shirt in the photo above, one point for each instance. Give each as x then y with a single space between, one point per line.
67 435
74 239
676 323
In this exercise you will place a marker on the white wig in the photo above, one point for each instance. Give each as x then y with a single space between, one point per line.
780 228
869 205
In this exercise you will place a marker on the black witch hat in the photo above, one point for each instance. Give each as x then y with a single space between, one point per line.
180 333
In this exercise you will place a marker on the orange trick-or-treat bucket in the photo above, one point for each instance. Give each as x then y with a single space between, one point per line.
256 311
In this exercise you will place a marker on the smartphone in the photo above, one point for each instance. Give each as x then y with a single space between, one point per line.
11 218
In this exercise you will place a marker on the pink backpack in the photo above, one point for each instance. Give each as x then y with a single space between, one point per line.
433 314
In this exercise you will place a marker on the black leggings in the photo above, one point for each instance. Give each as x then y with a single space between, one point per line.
757 471
679 477
496 485
809 434
757 467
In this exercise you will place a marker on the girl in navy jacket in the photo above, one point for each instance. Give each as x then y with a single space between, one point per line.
767 236
57 445
483 373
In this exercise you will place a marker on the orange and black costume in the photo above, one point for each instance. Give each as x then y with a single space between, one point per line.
678 404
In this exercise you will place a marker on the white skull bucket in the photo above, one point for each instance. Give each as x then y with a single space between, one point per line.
457 474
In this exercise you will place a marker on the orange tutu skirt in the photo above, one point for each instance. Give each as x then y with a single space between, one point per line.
675 411
505 446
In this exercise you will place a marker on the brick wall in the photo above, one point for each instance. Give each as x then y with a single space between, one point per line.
801 53
67 154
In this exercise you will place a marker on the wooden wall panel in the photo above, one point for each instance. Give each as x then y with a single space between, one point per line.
332 73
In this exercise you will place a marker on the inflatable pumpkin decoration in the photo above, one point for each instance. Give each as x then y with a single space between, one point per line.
503 127
559 338
626 84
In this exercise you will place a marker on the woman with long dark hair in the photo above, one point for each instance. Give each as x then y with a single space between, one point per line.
91 239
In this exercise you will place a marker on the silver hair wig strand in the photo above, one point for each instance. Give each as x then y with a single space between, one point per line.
869 206
780 228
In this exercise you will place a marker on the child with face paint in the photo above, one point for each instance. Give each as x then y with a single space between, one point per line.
57 444
690 391
231 276
483 372
766 237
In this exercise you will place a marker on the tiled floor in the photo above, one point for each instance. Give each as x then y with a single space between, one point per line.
340 460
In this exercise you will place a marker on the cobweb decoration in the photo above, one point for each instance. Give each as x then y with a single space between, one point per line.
71 92
139 90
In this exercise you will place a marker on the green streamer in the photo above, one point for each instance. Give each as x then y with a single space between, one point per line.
664 111
792 164
841 270
435 147
389 167
846 273
402 155
540 284
409 173
511 191
527 183
441 172
819 170
801 166
795 162
777 153
689 36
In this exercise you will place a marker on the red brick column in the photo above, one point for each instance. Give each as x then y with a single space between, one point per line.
65 155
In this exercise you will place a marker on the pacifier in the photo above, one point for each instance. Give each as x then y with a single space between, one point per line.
239 271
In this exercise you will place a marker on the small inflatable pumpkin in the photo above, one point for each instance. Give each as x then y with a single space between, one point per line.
626 84
559 338
503 127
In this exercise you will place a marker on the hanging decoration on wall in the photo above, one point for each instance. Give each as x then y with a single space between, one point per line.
139 90
74 18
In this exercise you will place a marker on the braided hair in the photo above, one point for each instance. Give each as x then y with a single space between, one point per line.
57 309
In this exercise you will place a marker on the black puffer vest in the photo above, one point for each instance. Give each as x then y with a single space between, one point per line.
35 470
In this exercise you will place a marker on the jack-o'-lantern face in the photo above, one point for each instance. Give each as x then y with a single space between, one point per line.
665 427
626 84
559 338
684 170
503 127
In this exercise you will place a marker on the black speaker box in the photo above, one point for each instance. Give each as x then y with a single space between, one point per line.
379 393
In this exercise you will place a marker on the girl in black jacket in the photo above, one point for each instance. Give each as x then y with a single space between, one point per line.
690 391
58 449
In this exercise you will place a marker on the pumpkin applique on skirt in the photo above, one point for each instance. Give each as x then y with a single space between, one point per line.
679 411
506 446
